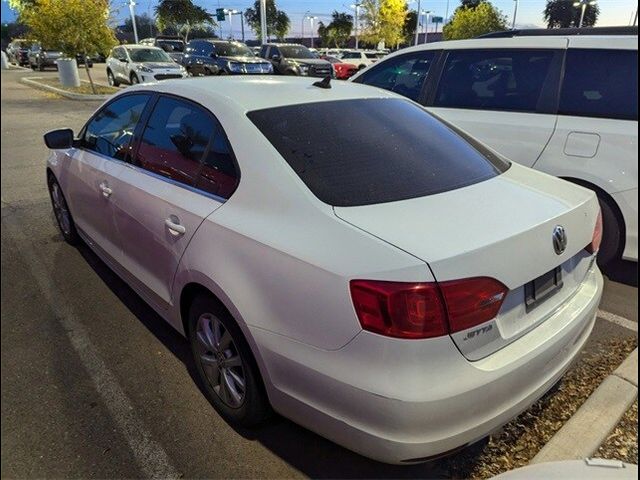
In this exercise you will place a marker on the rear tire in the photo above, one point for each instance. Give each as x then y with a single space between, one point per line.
40 66
611 234
225 364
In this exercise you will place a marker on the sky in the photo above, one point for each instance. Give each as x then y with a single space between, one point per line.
612 12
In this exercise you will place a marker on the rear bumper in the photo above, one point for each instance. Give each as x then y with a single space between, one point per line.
399 401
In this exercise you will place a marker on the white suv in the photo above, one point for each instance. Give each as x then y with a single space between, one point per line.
565 104
361 58
140 64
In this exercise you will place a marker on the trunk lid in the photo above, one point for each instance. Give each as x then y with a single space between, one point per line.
500 228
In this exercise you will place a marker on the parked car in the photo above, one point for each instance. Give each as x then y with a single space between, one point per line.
401 289
361 58
41 58
140 63
293 59
222 57
561 103
341 70
173 45
18 51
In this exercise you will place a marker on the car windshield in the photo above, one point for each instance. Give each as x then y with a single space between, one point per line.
296 51
148 55
372 157
233 50
171 45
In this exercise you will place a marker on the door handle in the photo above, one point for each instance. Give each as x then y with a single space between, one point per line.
106 191
174 228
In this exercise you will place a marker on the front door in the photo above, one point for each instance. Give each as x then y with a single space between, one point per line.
96 164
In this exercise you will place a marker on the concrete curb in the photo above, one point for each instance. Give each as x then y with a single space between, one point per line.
33 82
590 426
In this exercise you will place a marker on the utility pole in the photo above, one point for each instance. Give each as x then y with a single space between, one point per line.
263 20
446 15
635 18
311 19
133 19
356 7
515 13
417 24
426 26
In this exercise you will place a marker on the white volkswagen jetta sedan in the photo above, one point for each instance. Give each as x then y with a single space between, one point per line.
400 289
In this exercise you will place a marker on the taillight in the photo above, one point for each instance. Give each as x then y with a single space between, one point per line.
424 310
596 240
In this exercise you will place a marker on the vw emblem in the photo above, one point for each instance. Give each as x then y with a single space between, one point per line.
559 239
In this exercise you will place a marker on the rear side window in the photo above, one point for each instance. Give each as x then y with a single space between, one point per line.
601 83
404 74
185 143
365 155
111 129
510 80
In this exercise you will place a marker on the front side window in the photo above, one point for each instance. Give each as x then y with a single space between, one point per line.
351 55
296 51
600 83
372 157
404 74
510 80
111 129
186 143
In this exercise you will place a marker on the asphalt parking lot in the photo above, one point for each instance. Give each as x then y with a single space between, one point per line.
94 384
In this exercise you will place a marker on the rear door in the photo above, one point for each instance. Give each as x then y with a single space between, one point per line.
506 97
182 171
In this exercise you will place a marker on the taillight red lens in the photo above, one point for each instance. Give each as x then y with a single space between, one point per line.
399 309
596 240
472 301
424 310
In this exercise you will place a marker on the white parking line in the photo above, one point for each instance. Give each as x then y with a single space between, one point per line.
618 320
150 456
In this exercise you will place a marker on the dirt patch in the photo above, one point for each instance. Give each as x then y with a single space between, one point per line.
522 438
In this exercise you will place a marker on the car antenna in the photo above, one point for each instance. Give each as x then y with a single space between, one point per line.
324 83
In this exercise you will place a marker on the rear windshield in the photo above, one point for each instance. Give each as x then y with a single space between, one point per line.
368 151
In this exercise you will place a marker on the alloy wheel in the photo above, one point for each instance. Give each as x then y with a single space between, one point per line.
60 209
220 360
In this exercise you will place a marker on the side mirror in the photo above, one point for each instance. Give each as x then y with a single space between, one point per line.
59 139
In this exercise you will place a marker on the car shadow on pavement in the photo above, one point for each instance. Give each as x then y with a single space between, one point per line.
311 454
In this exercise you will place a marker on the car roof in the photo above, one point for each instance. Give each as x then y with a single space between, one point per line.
136 46
249 93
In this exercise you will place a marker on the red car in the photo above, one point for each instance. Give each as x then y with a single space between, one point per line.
342 70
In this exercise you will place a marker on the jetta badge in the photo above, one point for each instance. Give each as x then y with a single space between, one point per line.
559 239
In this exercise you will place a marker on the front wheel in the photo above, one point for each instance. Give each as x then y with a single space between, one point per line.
134 79
61 211
112 79
225 364
40 66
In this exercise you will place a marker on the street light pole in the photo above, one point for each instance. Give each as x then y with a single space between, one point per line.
515 13
263 21
133 19
417 24
311 19
583 4
356 7
426 26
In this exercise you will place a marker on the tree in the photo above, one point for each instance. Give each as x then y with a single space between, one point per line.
410 26
75 27
472 22
338 32
278 22
181 15
384 21
145 24
562 14
469 3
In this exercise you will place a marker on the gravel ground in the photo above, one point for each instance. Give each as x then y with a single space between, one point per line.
521 439
622 444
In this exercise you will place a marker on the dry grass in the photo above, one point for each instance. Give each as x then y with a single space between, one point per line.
84 88
521 439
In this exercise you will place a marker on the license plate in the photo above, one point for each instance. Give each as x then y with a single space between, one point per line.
253 68
543 287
